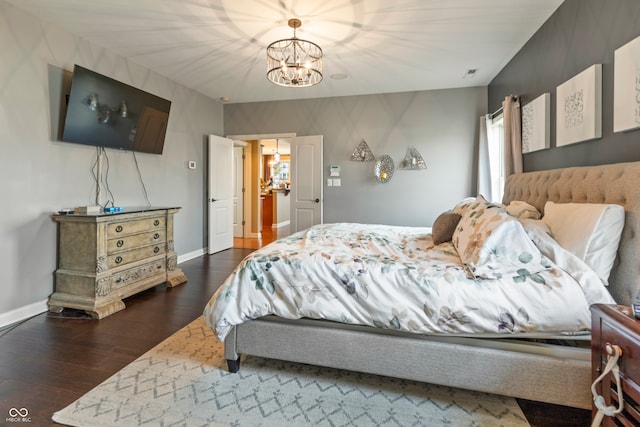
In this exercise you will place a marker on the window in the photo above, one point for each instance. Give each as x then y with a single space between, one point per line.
495 139
280 172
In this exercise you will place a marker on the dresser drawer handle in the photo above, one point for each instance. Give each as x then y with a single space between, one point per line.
156 250
118 229
156 236
156 222
118 259
120 243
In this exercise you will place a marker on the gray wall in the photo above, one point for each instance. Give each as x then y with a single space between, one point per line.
442 125
39 175
579 34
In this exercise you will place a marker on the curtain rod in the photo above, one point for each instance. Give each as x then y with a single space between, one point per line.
496 113
499 110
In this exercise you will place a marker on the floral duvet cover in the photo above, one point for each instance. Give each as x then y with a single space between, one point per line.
395 277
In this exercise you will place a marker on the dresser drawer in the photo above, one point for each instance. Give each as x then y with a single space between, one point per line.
132 275
117 229
122 258
132 241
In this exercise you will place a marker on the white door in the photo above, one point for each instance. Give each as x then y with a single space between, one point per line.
220 193
238 192
306 182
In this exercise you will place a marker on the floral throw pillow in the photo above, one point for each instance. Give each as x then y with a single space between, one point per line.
492 244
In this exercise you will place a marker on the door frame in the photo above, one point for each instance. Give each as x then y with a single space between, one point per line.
241 185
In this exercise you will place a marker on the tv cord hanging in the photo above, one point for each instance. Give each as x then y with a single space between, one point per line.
144 188
102 180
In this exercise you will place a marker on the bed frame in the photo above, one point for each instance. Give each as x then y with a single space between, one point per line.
522 370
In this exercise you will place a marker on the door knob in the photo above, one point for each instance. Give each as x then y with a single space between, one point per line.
317 200
213 200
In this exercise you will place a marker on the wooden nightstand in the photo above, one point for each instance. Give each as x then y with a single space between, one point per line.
614 324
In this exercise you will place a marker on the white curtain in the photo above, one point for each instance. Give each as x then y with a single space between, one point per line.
484 162
512 135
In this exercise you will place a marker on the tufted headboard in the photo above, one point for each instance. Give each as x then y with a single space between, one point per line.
616 183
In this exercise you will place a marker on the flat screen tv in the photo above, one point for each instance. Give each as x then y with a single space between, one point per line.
104 112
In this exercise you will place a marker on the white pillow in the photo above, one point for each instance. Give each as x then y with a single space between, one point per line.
591 231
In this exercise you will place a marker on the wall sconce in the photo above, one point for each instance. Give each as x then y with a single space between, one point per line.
384 169
362 153
413 160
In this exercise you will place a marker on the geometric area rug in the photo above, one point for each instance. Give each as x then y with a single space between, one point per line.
183 381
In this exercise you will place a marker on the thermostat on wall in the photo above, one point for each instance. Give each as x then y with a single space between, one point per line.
192 164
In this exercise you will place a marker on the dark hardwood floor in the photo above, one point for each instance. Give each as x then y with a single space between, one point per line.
50 360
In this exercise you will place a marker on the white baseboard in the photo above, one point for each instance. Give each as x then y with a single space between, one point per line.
281 224
22 313
191 255
39 307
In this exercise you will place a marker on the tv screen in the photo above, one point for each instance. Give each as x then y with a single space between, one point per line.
107 113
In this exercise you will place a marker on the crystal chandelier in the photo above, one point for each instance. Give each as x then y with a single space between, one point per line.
294 62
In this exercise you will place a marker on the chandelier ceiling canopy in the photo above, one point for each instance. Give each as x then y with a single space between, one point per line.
294 62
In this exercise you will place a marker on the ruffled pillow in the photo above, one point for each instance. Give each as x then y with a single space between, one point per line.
523 210
492 243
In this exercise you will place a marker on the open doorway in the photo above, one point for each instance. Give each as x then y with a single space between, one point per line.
265 189
275 187
297 185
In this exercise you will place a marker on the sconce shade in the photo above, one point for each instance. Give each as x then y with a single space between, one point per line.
362 153
413 160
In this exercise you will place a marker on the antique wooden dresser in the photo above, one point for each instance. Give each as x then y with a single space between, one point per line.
106 257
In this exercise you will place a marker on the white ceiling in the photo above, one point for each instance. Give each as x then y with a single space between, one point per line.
217 47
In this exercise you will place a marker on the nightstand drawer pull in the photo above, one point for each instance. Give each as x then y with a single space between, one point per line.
156 250
120 243
614 352
118 229
156 222
156 236
118 260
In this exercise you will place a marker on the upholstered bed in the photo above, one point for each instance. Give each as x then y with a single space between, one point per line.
536 370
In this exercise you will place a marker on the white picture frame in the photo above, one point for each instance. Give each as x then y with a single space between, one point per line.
536 124
579 107
626 87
